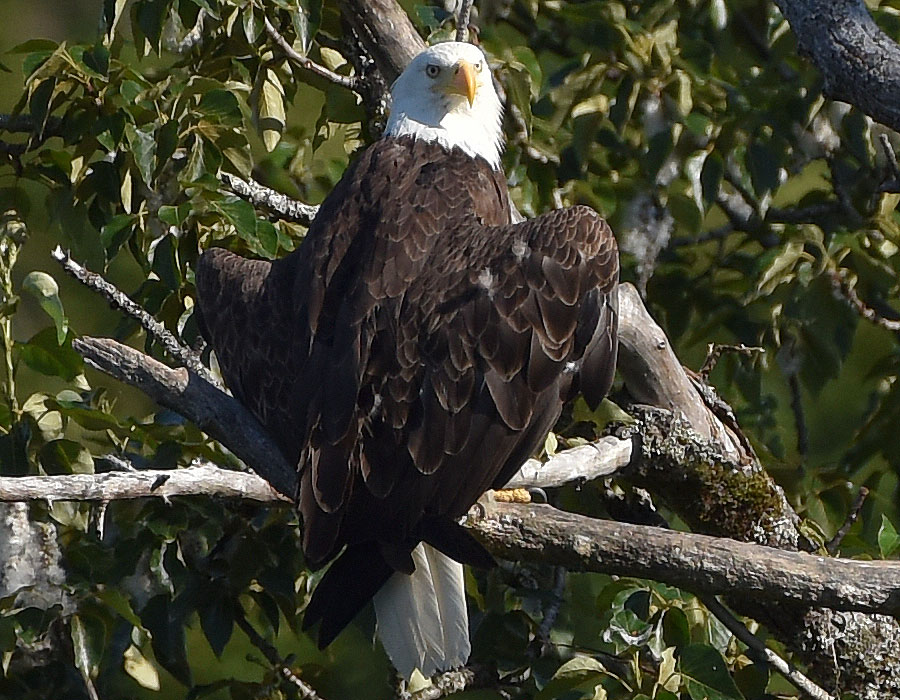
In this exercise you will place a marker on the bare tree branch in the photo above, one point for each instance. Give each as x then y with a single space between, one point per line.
755 644
843 289
304 690
462 19
577 464
540 533
260 196
25 123
201 480
221 416
117 299
715 565
835 542
344 81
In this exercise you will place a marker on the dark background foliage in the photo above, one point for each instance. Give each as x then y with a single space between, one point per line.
747 206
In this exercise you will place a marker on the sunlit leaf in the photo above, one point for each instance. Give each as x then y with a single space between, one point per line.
44 288
888 538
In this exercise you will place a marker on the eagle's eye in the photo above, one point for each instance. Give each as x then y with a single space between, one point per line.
478 66
432 70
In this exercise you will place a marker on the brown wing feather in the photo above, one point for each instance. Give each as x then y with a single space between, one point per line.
417 347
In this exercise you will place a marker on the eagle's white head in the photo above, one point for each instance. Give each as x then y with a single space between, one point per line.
446 95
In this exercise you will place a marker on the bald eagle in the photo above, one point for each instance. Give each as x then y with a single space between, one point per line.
413 351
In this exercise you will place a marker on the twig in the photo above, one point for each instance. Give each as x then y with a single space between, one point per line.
307 692
345 81
462 19
260 196
835 542
714 352
119 300
848 293
739 630
556 601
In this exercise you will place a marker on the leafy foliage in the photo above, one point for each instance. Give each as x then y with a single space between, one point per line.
743 200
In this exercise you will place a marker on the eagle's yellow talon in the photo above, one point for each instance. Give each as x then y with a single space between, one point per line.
512 496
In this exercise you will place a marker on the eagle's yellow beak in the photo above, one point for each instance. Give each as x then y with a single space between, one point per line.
464 81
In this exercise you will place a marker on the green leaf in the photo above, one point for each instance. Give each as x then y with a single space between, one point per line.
221 106
888 539
763 167
580 673
217 622
241 215
711 178
705 674
166 627
272 117
45 355
66 457
88 645
780 269
44 288
686 213
35 45
143 149
306 16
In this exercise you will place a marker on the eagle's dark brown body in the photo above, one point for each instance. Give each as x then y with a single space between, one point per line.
412 353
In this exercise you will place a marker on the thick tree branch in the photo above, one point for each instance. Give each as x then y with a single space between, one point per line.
386 32
714 565
859 63
214 411
543 534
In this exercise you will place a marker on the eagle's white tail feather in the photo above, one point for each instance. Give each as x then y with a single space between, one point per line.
422 618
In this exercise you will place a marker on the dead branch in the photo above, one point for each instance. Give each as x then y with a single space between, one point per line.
280 204
117 299
542 534
714 565
221 416
201 480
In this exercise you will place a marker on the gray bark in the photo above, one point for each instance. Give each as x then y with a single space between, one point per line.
859 63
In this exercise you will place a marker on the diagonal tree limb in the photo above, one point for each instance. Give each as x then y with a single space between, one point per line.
214 411
117 299
305 62
261 196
